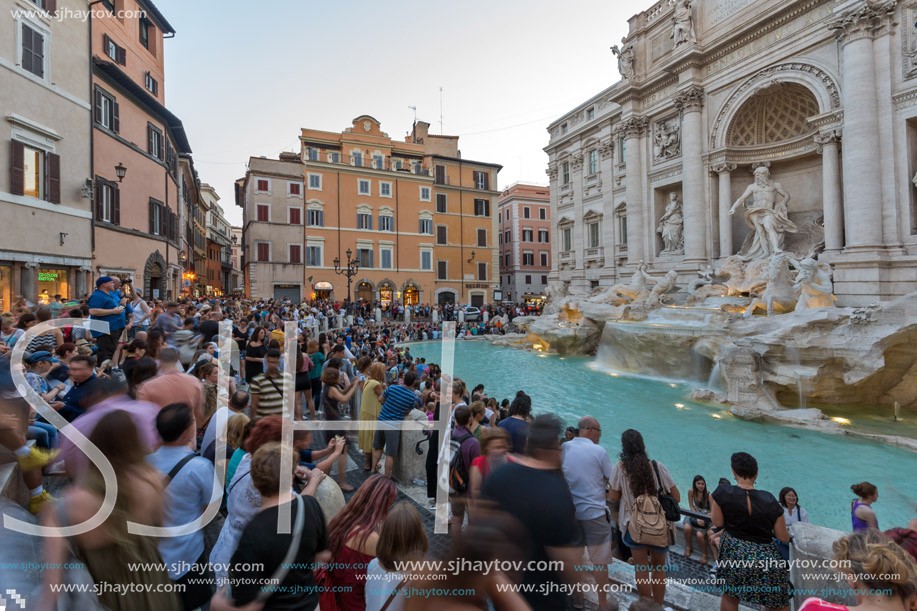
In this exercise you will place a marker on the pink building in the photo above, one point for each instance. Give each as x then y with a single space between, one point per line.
524 221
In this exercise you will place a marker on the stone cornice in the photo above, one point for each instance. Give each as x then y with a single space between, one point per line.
905 99
606 149
825 138
759 154
632 127
723 168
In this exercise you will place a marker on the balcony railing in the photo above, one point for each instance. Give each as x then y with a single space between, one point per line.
386 163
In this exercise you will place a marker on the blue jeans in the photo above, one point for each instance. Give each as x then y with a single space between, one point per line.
44 434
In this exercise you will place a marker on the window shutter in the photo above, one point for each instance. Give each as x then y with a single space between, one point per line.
105 44
122 56
53 173
162 141
149 139
98 100
51 6
115 117
100 207
152 212
487 184
115 205
17 168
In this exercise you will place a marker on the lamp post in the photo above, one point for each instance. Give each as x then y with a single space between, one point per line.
352 266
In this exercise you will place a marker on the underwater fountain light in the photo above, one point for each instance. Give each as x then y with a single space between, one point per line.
843 421
717 416
680 405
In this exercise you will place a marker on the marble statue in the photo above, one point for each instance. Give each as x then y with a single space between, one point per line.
625 56
705 277
814 286
667 141
780 295
658 295
766 216
671 227
683 23
636 290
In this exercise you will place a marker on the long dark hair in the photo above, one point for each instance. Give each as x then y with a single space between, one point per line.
697 496
636 463
359 517
144 369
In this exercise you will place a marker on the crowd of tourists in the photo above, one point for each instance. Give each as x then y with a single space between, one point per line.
147 393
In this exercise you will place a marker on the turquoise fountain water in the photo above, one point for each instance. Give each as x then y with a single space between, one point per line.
692 438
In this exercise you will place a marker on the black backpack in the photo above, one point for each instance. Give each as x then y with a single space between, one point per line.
458 470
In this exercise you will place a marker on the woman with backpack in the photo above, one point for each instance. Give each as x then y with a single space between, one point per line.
638 483
750 565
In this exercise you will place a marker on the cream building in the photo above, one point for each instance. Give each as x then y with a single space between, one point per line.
822 93
45 203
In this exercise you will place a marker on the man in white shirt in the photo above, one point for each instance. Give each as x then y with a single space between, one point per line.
587 470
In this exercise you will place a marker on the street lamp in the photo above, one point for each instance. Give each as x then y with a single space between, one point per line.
351 269
120 171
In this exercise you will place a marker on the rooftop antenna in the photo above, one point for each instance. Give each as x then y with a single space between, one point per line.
441 111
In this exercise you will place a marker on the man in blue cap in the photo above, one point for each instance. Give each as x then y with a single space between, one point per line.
107 305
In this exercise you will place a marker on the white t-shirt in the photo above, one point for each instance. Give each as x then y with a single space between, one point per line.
586 467
379 586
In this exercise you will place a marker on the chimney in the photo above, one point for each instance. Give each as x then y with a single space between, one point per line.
421 129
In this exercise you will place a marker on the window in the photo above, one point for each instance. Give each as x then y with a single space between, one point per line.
439 174
593 161
509 259
415 167
109 4
315 218
543 236
107 202
441 270
482 271
263 185
526 212
566 172
482 180
508 213
563 129
312 154
568 242
386 223
622 229
482 207
365 256
528 279
145 31
112 50
156 217
500 239
590 113
264 251
364 187
34 172
314 256
528 257
499 217
482 238
385 258
593 235
396 164
151 85
441 235
385 189
335 157
294 189
295 253
426 226
155 143
315 182
508 236
544 279
295 216
263 212
33 51
364 221
425 194
426 260
378 162
441 202
544 259
107 113
356 159
622 150
542 213
526 235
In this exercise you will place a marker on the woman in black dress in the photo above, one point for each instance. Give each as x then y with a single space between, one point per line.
254 354
751 519
332 397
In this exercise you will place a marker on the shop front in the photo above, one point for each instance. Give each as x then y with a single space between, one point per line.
533 302
51 282
6 288
322 291
386 293
411 295
365 292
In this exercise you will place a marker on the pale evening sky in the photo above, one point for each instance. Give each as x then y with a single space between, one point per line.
244 77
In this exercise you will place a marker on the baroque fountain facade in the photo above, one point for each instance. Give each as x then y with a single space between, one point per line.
750 176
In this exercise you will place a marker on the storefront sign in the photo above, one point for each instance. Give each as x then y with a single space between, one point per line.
48 276
479 285
323 286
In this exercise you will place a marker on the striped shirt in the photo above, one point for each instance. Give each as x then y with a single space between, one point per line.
398 402
270 393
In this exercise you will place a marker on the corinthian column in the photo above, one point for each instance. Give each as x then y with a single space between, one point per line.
690 103
832 207
862 171
724 170
633 129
